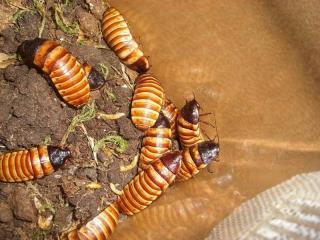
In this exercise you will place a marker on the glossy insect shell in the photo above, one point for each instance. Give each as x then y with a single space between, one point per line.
36 162
101 227
171 112
116 33
188 124
147 101
156 142
197 157
68 76
149 184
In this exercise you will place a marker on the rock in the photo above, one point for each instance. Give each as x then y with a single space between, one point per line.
97 7
23 207
5 213
88 23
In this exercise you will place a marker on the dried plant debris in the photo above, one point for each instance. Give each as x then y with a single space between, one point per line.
100 135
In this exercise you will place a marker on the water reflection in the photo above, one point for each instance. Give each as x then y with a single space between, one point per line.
250 65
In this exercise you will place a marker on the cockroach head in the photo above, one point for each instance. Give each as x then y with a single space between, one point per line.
162 121
190 111
95 78
209 151
141 65
58 156
172 161
28 49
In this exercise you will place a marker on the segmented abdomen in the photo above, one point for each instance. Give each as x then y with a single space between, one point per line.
191 163
149 184
171 113
156 142
189 134
147 101
101 227
65 72
25 165
116 33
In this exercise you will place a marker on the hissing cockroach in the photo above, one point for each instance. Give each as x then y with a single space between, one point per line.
116 33
147 101
68 76
197 157
171 112
149 184
101 227
188 124
33 163
156 141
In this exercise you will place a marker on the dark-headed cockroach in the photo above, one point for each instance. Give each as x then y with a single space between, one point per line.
156 141
72 81
197 157
188 124
147 101
99 228
149 184
116 33
33 163
171 112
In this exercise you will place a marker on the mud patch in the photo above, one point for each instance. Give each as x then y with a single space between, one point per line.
32 114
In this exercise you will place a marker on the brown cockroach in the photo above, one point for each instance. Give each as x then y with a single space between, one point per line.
116 33
197 157
171 113
188 124
147 101
149 184
33 163
72 81
100 227
156 142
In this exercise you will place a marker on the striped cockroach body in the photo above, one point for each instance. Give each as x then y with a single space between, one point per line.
188 124
33 163
197 157
156 142
72 81
171 113
116 33
99 228
149 184
147 101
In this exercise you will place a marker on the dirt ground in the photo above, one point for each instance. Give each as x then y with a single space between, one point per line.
32 114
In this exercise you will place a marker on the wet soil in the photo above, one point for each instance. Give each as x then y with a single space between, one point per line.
33 114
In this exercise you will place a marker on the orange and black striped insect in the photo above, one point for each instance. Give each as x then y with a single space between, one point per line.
116 33
156 142
101 227
147 101
149 184
197 157
33 163
72 81
188 124
171 112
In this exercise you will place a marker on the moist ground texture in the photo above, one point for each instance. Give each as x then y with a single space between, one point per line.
32 114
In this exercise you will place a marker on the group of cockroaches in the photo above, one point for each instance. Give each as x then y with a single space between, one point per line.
151 112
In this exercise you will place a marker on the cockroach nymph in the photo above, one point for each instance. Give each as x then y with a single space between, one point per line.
156 142
100 227
116 33
33 163
171 112
149 184
197 157
188 124
72 81
147 101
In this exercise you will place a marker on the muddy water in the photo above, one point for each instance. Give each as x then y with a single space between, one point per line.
256 66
